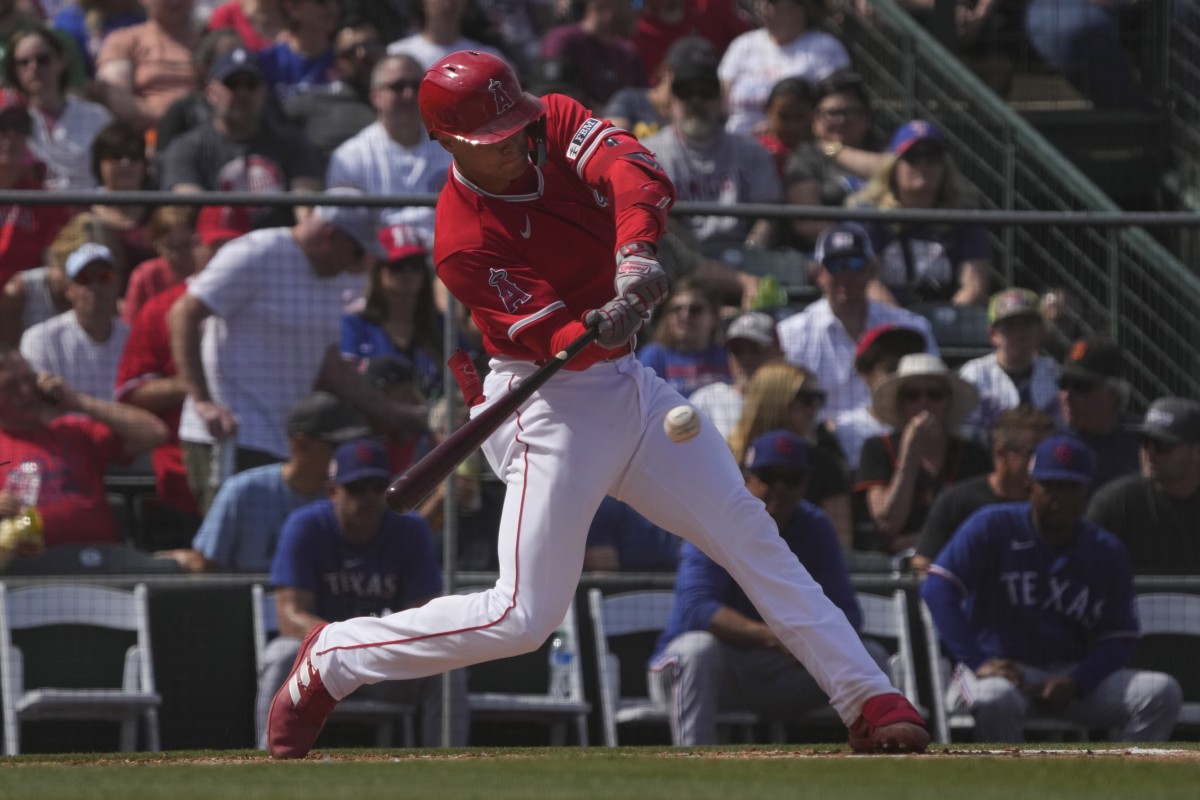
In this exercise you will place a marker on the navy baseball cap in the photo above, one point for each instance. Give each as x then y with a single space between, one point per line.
778 448
233 62
358 460
912 133
844 240
1063 458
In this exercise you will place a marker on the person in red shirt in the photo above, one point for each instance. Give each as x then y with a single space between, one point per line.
547 229
146 374
25 231
663 21
73 438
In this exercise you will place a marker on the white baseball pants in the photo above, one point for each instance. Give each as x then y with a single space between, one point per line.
583 435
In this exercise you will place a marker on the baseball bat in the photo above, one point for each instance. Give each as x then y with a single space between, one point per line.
418 481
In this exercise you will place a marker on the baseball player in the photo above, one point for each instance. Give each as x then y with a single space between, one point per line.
1036 605
547 226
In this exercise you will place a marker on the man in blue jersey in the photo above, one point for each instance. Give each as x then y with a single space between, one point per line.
1035 604
349 556
716 653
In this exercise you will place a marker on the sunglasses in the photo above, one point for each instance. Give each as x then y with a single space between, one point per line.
367 486
912 394
810 398
1157 445
93 276
1079 385
360 50
695 309
41 59
399 86
924 155
242 81
839 264
696 91
788 478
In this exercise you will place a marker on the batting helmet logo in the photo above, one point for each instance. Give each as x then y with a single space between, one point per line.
511 295
500 96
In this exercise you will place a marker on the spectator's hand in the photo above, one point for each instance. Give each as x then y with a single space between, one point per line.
617 321
640 278
55 392
1056 693
10 506
922 435
1002 668
221 422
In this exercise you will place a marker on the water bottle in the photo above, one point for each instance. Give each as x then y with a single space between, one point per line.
23 534
561 660
25 483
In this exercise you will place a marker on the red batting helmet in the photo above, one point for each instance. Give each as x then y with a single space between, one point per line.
475 97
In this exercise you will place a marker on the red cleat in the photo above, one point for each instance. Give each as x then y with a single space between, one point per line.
300 707
889 723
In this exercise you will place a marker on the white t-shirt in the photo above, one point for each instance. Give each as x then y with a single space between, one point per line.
67 147
753 64
997 392
61 347
377 164
428 53
721 403
273 319
815 339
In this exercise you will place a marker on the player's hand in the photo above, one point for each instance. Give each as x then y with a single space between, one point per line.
221 422
617 321
640 278
1002 668
1056 693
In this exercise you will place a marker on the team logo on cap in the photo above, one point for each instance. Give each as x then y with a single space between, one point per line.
511 295
1079 350
840 239
1064 456
500 96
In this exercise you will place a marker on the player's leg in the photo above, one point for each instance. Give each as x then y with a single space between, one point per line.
1137 705
998 705
687 677
696 490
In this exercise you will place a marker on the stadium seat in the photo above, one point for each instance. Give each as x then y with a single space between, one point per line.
379 713
63 612
1173 614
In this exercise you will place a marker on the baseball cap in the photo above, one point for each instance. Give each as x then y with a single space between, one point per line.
843 239
88 253
1013 303
554 76
912 133
1063 458
237 60
219 224
1173 420
359 459
400 242
778 448
1094 359
754 326
384 371
692 59
357 222
324 416
886 339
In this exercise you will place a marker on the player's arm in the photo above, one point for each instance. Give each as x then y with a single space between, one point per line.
950 578
294 608
736 629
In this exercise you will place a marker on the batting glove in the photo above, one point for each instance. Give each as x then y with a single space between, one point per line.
617 321
640 278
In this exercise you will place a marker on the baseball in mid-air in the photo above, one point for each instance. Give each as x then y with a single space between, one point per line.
681 423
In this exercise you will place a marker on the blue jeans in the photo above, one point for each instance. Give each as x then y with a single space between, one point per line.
1082 41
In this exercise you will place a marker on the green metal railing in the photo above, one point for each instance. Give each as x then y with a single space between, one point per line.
1183 100
1130 286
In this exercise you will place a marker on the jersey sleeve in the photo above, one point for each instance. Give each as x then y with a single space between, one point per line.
876 465
701 587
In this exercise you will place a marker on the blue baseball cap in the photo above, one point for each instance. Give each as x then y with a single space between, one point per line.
1063 458
359 459
777 448
844 240
913 132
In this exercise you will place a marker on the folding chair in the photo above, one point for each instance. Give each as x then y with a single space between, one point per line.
556 712
1172 614
125 612
633 615
945 722
380 713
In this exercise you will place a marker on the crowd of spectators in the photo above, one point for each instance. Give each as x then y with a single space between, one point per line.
201 334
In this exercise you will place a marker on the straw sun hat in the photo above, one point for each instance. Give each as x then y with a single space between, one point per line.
886 397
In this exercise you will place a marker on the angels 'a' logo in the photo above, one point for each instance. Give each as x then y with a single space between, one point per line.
511 295
500 96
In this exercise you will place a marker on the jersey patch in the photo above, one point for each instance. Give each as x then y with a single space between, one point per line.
581 135
511 295
500 96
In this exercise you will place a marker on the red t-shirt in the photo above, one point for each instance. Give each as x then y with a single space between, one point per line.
718 21
148 279
529 264
26 231
231 15
147 355
72 452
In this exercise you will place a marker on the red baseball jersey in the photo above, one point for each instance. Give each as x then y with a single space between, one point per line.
529 264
